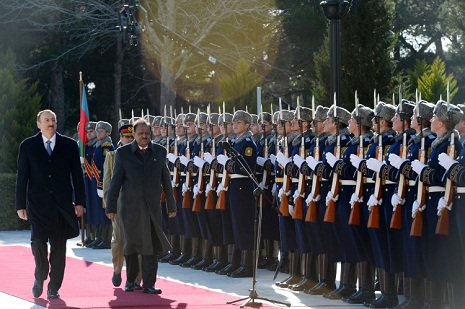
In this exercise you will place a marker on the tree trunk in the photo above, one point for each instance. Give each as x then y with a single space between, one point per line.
57 95
115 115
167 89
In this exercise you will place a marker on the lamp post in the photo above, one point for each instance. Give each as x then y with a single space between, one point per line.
334 10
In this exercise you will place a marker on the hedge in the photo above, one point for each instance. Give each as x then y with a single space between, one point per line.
9 220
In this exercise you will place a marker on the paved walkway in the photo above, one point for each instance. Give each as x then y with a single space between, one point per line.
238 287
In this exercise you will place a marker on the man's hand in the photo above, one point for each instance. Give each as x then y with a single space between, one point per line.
79 210
111 216
172 214
22 214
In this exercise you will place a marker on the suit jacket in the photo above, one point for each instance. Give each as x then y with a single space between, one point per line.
141 180
49 186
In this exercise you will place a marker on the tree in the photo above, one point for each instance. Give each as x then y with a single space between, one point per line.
19 103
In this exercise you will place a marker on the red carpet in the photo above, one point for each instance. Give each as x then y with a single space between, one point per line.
87 285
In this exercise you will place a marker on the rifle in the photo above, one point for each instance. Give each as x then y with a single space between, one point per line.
187 200
312 207
167 147
396 219
417 224
330 214
209 202
442 227
284 204
221 202
263 199
298 202
373 219
354 218
175 171
200 179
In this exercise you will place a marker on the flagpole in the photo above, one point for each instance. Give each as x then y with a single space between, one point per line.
81 83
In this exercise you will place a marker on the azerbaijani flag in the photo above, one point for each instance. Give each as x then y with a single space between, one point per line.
83 120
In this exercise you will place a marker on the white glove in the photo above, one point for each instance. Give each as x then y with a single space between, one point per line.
208 157
331 159
372 202
100 193
329 196
374 165
184 188
395 160
261 185
273 158
184 160
443 204
415 208
280 193
208 188
396 200
222 159
446 161
219 189
199 162
282 159
353 199
195 190
296 194
312 163
355 160
273 189
291 209
261 161
309 199
298 160
172 157
418 166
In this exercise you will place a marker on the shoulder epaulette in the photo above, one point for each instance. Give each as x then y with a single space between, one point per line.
107 144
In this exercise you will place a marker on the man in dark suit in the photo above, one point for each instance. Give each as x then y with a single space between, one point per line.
141 173
50 179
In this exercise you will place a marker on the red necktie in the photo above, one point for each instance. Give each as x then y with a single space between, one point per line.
142 151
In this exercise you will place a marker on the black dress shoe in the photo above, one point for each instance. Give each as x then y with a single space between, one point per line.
129 286
218 265
202 264
94 243
192 261
361 297
242 272
339 293
227 269
151 290
137 287
37 288
385 301
103 245
87 241
181 259
52 293
116 279
321 289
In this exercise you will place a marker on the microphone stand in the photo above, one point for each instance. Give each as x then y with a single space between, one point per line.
250 301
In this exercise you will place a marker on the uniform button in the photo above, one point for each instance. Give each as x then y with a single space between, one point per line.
429 197
49 176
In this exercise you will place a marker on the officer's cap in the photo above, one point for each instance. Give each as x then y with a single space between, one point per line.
189 117
226 117
342 114
321 112
443 112
180 119
103 125
303 113
125 127
385 111
264 116
213 119
242 115
203 117
405 109
366 114
424 109
286 115
90 125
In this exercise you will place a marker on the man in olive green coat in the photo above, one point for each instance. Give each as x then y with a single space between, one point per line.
140 173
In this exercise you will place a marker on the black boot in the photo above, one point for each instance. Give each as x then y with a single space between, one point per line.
413 294
207 256
327 277
221 259
348 283
175 251
310 278
366 293
294 270
245 270
195 255
389 293
186 251
233 263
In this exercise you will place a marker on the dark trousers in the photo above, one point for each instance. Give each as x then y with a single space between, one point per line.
149 269
57 259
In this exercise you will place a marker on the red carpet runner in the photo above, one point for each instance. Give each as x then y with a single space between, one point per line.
88 285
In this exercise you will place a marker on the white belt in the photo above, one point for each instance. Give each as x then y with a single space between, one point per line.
324 179
348 182
460 189
411 183
388 182
369 180
183 174
436 189
233 176
294 180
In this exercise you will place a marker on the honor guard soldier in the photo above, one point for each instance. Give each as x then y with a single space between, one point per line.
460 127
90 182
214 216
102 147
241 187
283 173
255 129
390 258
439 250
117 239
297 209
178 179
156 133
266 149
419 148
380 142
